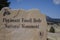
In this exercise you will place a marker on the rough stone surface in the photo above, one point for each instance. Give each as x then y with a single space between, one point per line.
23 33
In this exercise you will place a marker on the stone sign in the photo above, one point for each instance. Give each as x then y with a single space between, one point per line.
22 25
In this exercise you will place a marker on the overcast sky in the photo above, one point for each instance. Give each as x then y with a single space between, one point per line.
48 7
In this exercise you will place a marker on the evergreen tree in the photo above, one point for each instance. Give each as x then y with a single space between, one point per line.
52 30
4 3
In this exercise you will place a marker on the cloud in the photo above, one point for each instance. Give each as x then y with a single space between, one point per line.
56 1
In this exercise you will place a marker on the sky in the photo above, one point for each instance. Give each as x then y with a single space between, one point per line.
50 8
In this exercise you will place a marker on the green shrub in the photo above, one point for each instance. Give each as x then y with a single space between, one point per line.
52 30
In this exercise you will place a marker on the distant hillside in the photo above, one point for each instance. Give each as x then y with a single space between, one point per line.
49 19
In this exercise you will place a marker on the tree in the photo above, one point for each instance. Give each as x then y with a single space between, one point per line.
52 30
4 3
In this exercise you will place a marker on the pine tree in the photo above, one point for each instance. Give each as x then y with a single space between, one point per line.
4 3
52 30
